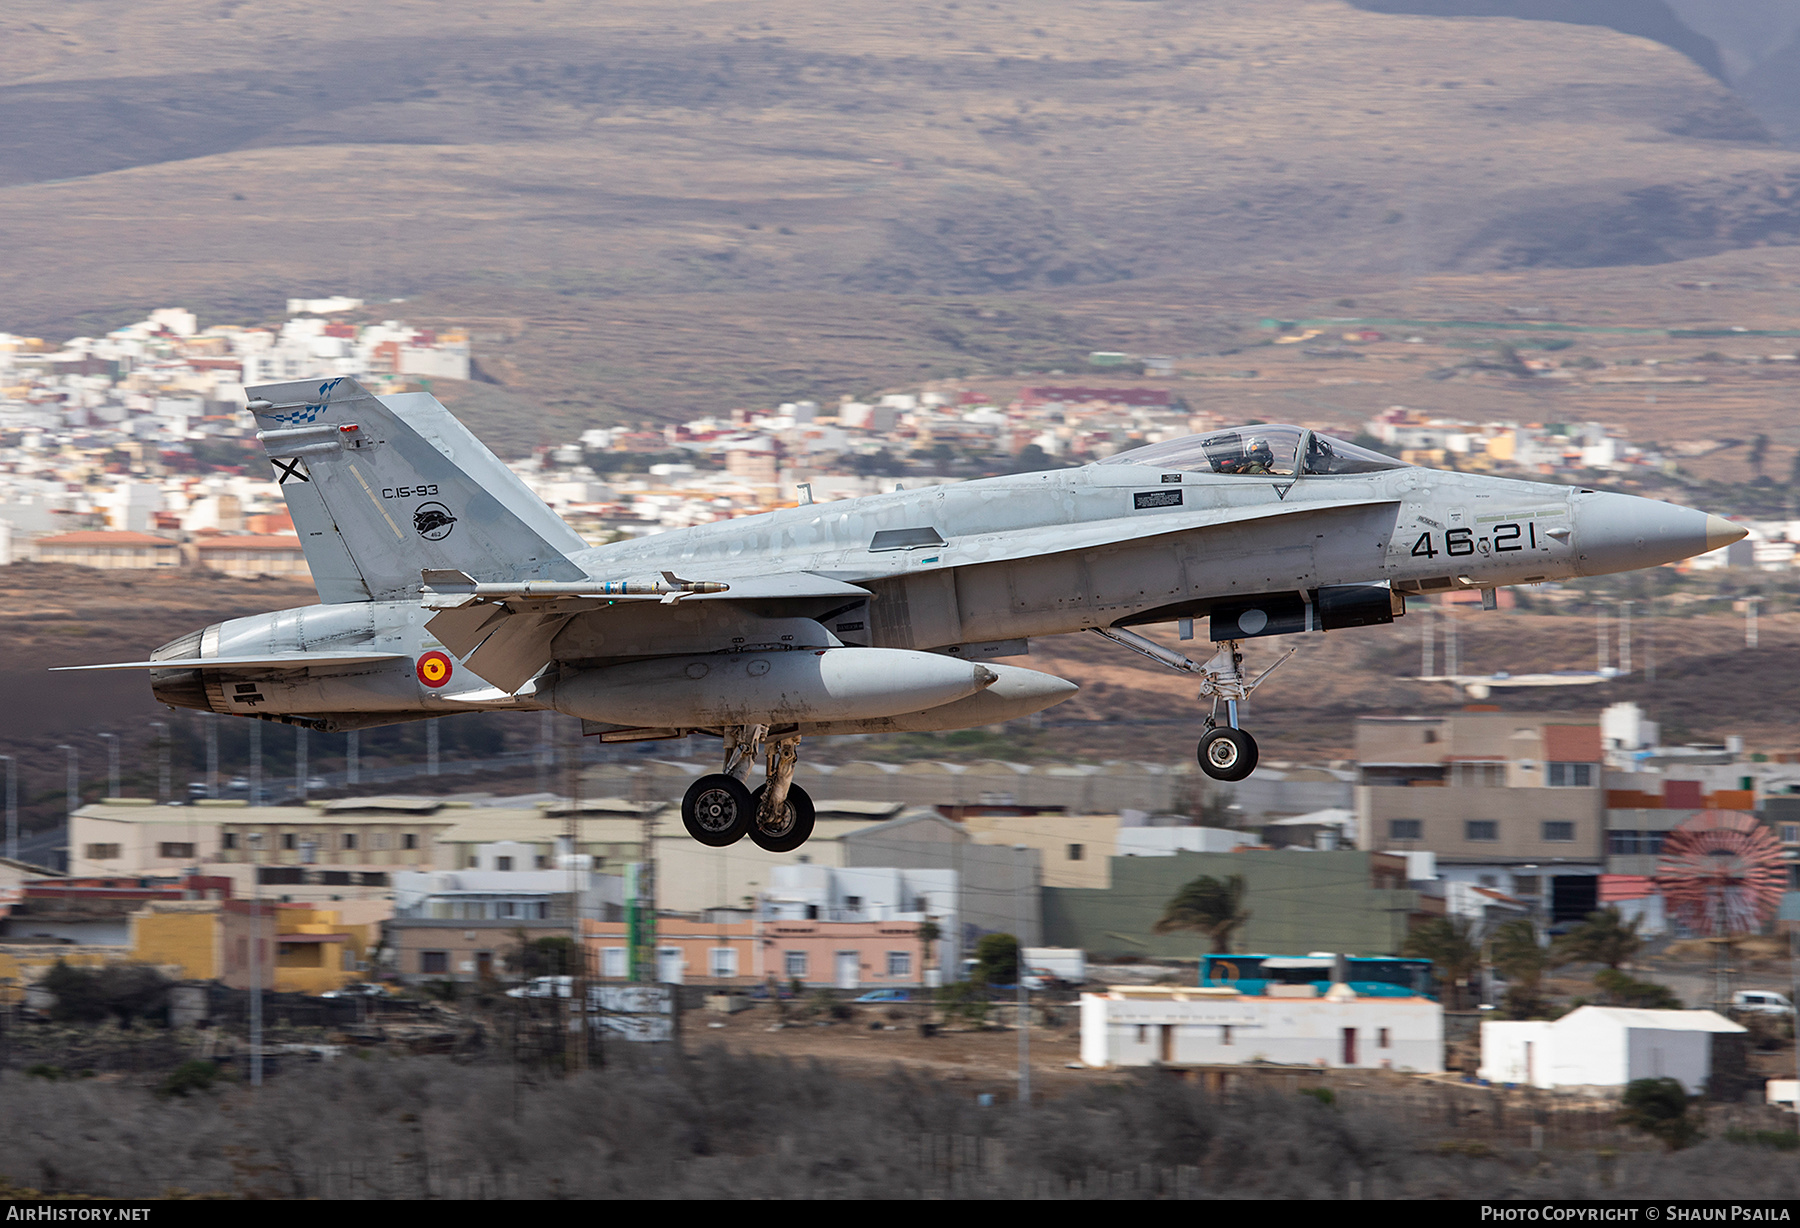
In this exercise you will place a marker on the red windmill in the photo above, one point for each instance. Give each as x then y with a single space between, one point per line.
1721 874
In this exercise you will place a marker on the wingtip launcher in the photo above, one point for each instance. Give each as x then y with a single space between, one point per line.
450 589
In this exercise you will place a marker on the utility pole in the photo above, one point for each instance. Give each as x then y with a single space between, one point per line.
1750 637
1794 996
545 755
641 917
162 761
212 754
1452 656
256 763
578 983
256 1064
112 763
1427 658
1625 636
12 807
1722 954
1021 905
73 786
431 747
300 761
353 758
1600 653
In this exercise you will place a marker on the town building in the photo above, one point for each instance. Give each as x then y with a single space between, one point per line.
1166 1025
1074 850
1161 841
608 832
466 950
251 554
109 549
313 950
95 911
1345 900
843 955
506 885
345 849
1511 802
997 886
1606 1047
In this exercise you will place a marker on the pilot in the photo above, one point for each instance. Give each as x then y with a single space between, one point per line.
1258 457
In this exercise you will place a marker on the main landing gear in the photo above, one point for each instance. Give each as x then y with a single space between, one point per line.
720 810
1225 751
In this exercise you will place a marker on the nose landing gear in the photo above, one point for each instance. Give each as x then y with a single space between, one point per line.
1225 751
719 809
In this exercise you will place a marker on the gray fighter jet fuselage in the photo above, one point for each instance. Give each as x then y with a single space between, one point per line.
447 587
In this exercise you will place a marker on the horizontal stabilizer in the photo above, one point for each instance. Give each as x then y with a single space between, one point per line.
282 660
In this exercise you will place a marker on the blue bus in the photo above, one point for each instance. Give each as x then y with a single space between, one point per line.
1371 976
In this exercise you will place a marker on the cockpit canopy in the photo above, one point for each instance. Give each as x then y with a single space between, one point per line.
1255 450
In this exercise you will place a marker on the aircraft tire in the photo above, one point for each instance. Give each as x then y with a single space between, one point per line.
795 826
717 810
1227 754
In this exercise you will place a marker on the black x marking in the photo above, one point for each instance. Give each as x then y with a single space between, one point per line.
293 468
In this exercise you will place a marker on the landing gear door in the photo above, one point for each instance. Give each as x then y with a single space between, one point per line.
1253 617
851 625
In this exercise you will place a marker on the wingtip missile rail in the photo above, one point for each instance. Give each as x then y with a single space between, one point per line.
449 589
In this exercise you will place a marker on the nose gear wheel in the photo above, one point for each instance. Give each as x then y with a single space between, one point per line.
1227 754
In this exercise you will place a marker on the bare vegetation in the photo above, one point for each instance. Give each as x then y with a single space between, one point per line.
659 1125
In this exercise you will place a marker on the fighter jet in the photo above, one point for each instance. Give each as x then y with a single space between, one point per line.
446 586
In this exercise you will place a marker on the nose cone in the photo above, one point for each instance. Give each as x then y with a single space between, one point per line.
1721 532
1623 533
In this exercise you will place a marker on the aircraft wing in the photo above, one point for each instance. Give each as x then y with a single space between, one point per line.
278 660
505 636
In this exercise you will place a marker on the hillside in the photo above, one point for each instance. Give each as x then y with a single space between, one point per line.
228 155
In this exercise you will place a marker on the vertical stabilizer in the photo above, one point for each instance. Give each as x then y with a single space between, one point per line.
381 488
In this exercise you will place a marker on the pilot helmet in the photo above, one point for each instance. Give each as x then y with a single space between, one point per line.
1260 451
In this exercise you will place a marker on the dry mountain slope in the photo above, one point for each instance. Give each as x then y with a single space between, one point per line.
226 155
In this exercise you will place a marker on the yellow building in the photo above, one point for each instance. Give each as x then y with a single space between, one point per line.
315 951
185 938
205 940
24 963
1075 850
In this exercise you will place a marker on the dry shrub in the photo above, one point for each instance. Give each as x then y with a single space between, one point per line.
656 1124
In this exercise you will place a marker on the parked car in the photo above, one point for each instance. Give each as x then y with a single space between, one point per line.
885 995
357 989
1761 1002
316 782
239 784
196 789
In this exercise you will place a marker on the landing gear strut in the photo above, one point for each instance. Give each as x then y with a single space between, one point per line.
1225 751
720 810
